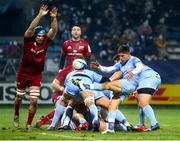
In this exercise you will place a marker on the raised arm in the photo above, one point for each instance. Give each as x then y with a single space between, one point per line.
117 75
31 29
104 69
54 26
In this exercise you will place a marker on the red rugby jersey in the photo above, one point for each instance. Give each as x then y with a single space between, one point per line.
61 76
33 56
71 49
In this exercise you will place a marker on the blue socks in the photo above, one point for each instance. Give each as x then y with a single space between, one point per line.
67 116
94 112
148 111
141 116
120 116
58 113
111 120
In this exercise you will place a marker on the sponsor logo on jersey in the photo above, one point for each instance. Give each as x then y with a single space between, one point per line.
75 54
37 52
81 47
69 47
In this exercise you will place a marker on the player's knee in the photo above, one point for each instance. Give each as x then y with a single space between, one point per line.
89 101
64 101
34 94
142 104
20 94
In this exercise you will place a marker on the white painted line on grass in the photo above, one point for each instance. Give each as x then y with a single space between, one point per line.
71 137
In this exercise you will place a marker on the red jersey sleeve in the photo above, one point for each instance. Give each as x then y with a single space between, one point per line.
87 50
61 76
64 48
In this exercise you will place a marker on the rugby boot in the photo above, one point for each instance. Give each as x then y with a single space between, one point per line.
16 121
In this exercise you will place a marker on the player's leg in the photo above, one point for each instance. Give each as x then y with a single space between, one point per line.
34 83
126 87
47 119
67 115
144 99
34 92
147 87
113 85
89 102
112 112
78 116
103 102
17 103
59 110
141 114
20 92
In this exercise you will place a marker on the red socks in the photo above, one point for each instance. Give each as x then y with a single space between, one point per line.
17 104
30 117
50 114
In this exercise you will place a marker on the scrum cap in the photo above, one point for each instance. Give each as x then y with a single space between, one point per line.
40 30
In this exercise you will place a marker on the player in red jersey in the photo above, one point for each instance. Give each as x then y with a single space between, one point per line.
36 41
73 47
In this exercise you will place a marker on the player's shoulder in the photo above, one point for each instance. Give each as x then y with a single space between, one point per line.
89 71
84 41
69 69
134 58
67 41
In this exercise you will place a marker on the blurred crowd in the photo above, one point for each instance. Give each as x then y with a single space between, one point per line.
145 25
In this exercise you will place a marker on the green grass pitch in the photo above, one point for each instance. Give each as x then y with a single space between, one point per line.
168 117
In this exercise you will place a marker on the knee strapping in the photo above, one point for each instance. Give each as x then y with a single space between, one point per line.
20 93
88 100
34 93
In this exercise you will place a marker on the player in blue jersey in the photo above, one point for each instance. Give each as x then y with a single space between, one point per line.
87 96
135 75
73 92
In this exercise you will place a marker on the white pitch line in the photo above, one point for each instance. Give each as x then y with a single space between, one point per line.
70 137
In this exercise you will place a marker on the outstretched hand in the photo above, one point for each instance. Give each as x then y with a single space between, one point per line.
53 12
130 75
94 64
43 10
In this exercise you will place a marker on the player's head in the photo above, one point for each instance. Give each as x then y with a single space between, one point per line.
76 32
39 34
79 64
116 58
124 53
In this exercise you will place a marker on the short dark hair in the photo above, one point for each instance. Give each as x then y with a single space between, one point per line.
116 57
78 25
123 49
